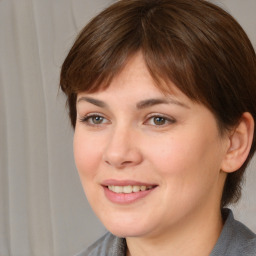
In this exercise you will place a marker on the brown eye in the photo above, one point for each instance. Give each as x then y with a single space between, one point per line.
159 120
96 119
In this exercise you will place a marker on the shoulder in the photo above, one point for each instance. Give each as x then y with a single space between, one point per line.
245 238
236 239
107 245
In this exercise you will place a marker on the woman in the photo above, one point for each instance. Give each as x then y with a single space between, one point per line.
162 95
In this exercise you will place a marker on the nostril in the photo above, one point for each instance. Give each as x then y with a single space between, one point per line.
122 164
107 162
121 159
126 163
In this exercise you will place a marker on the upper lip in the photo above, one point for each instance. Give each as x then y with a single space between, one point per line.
112 182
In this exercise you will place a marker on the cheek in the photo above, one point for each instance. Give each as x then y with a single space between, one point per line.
186 156
189 170
166 153
86 153
87 158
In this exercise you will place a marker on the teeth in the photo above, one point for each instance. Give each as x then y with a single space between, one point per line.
128 189
143 188
135 188
118 189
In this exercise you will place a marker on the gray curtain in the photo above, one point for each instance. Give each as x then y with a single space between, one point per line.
43 211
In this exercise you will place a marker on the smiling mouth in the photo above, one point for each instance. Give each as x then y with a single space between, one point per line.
128 189
126 192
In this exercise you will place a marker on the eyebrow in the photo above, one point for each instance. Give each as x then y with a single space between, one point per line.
140 105
151 102
93 101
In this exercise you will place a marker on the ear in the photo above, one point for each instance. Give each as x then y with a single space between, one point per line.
240 141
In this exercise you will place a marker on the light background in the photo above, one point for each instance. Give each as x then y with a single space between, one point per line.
43 211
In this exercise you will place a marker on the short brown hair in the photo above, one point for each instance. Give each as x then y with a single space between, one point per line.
193 43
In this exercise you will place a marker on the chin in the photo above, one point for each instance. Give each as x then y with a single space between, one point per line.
126 232
126 228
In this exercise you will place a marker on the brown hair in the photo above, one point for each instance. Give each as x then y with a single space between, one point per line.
193 43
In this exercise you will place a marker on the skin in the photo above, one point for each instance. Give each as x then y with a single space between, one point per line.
118 137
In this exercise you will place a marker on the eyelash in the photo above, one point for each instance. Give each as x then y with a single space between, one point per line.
88 120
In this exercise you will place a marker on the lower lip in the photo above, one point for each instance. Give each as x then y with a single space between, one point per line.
123 198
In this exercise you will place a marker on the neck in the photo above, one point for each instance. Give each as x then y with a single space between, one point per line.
194 236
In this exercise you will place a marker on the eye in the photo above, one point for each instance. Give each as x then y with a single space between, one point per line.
158 120
94 120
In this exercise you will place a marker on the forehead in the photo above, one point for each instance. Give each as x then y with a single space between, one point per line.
135 74
134 85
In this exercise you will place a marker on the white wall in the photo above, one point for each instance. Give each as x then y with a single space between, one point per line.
43 210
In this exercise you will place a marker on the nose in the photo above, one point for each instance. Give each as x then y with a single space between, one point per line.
122 149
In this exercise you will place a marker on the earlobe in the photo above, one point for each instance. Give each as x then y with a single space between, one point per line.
240 141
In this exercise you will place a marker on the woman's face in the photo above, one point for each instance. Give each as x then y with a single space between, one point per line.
148 163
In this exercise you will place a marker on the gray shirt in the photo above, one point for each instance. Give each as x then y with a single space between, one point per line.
235 240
